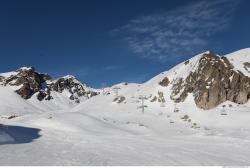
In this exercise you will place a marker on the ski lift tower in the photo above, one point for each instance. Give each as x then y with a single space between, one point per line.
142 98
223 111
103 87
116 90
176 110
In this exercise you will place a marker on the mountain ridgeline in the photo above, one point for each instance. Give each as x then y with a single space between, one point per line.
28 83
209 78
214 81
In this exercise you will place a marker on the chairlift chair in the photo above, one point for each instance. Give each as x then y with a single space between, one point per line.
223 112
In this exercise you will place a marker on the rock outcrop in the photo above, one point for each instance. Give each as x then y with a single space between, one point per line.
119 99
75 88
213 82
164 82
1 80
159 98
29 82
247 66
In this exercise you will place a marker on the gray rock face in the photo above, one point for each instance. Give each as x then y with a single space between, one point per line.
164 82
69 83
119 99
179 92
75 87
213 82
1 80
32 82
247 66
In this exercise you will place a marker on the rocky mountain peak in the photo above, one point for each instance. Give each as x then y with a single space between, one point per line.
74 86
26 69
69 77
28 82
212 82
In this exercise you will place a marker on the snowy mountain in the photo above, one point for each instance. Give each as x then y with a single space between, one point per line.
193 114
31 85
212 80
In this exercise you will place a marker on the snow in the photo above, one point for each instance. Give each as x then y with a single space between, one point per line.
68 77
8 74
179 71
238 59
99 131
12 103
25 68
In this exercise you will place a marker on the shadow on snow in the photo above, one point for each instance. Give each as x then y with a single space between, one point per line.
17 134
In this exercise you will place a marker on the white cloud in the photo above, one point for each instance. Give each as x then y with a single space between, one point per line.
171 34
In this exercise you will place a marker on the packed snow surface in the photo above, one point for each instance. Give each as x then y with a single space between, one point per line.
103 131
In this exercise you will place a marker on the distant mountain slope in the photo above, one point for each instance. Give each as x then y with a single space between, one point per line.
41 91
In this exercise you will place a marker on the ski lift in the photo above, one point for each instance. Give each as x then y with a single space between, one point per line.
142 98
223 111
176 110
116 89
142 107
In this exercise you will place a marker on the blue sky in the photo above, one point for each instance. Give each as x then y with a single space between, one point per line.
115 41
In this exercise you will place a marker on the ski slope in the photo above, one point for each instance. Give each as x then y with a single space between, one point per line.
103 131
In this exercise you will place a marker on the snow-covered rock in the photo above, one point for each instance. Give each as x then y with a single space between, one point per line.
74 87
210 78
27 83
213 82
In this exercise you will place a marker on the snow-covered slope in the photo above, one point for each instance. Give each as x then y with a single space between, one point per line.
12 104
110 128
181 70
241 60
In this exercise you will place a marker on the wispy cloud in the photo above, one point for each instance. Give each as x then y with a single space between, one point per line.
185 30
